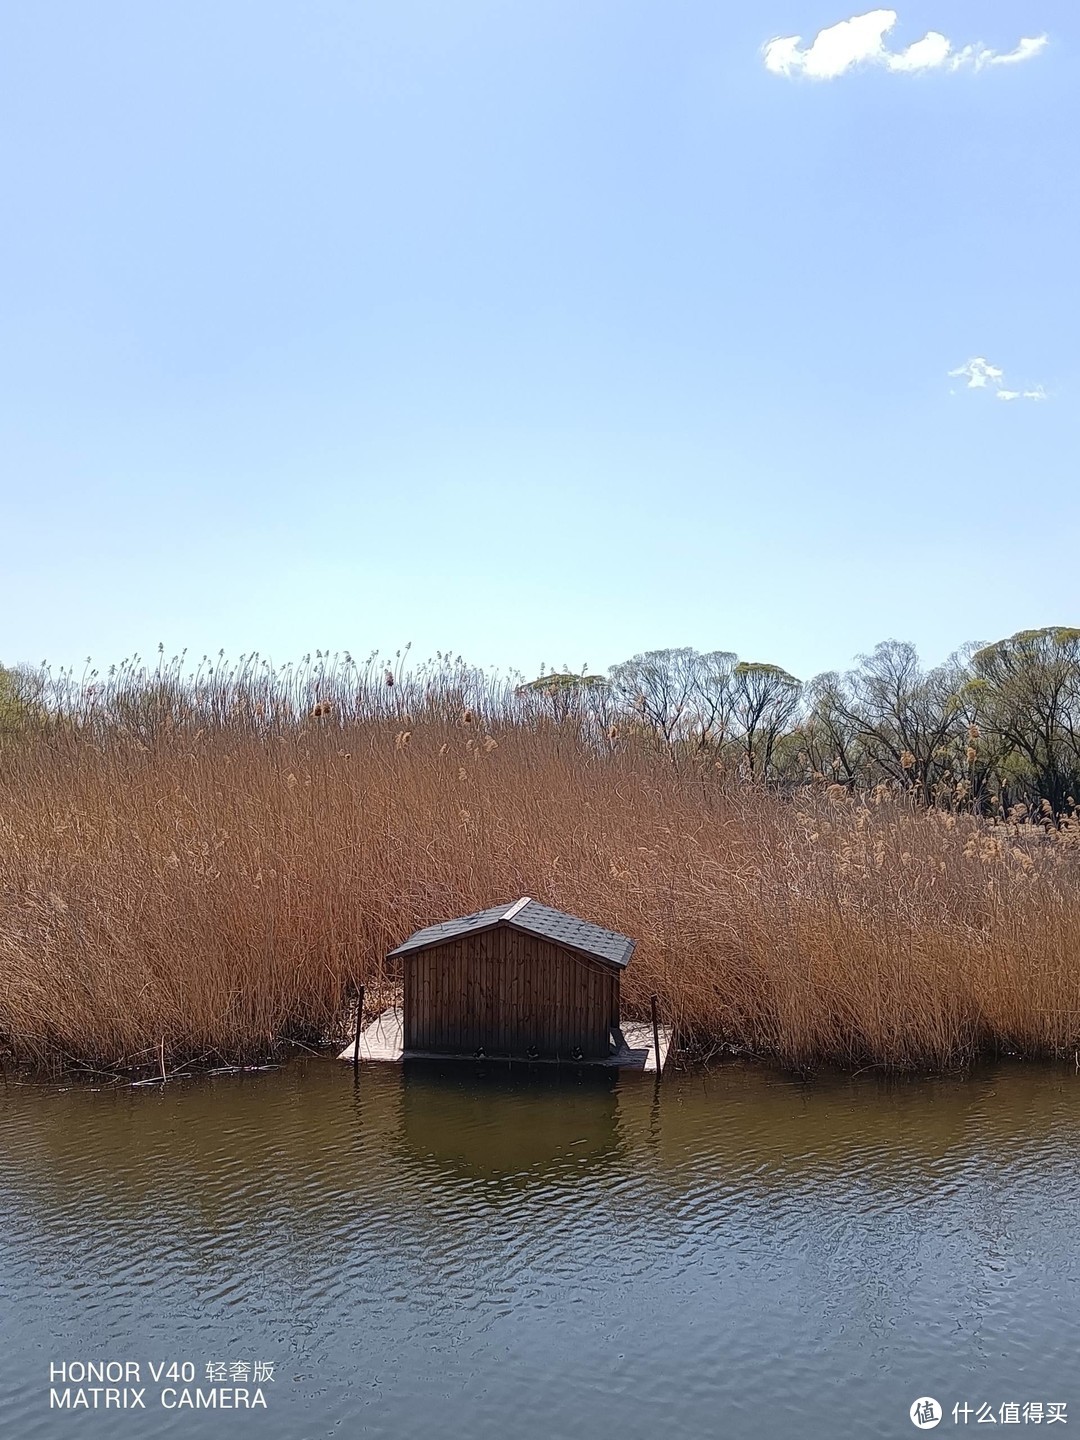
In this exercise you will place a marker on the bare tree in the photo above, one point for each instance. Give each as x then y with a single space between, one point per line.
766 700
660 688
1027 689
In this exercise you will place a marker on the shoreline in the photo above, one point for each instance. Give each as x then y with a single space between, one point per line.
682 1062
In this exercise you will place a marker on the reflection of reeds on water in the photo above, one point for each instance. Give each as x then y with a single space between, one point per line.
201 874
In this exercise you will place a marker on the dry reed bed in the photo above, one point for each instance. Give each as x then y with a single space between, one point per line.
213 893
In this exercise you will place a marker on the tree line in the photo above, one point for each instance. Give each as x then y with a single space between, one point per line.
994 730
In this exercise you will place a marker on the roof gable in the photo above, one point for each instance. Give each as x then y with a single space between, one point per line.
575 934
531 918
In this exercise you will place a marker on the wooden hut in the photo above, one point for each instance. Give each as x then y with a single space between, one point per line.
520 980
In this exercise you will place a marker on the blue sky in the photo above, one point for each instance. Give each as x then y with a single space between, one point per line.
536 330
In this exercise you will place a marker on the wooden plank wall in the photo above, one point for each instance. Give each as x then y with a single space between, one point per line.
508 992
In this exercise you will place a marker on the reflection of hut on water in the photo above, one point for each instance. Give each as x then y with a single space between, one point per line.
502 1121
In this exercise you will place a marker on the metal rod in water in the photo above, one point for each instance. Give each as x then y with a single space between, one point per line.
359 1022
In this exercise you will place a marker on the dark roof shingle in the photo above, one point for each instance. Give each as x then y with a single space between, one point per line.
534 919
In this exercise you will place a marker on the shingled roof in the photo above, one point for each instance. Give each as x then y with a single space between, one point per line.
531 918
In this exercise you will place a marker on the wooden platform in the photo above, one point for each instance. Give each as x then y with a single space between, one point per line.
383 1040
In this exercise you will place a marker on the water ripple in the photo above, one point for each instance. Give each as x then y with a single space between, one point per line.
447 1247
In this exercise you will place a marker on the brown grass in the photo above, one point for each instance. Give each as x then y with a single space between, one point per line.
209 893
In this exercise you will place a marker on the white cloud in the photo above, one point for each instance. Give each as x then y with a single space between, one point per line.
1024 51
926 54
861 41
835 50
981 375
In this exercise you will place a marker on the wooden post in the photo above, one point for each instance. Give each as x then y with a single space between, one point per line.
359 1022
656 1035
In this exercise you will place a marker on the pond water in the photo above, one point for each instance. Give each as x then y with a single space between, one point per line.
473 1252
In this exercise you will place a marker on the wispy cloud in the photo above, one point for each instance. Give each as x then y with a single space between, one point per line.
861 41
981 375
1037 394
